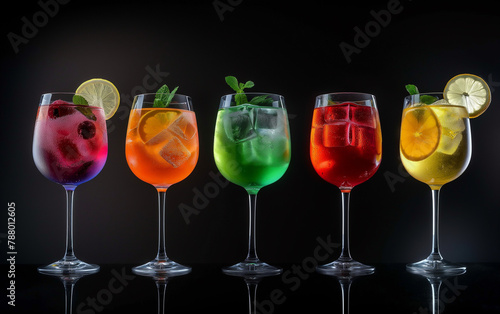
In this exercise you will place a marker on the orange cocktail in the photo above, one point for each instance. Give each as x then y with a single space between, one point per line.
162 145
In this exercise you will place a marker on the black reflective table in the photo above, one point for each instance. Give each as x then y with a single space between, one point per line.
391 289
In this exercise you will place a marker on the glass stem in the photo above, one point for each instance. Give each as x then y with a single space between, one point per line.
162 252
252 250
68 296
435 254
435 287
252 294
346 254
161 286
70 254
345 285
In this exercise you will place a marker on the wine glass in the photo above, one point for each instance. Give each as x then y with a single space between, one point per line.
70 147
435 148
162 149
346 150
252 150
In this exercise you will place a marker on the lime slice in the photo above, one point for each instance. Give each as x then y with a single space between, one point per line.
100 93
470 91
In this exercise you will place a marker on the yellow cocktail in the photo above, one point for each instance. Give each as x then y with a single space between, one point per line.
435 143
435 147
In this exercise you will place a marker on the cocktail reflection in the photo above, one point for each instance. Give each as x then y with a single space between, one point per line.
68 280
345 280
439 298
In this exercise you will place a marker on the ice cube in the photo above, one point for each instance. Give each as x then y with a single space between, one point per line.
162 136
317 136
272 146
325 165
449 142
318 119
174 152
451 118
248 154
68 150
335 113
363 115
336 134
238 125
266 118
362 136
183 128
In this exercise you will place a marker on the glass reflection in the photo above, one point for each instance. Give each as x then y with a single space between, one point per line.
69 280
345 280
439 301
161 281
252 283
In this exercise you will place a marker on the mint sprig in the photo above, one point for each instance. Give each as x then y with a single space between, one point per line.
164 96
241 98
425 99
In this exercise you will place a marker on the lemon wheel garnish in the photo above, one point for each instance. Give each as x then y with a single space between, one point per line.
100 93
420 133
154 122
470 91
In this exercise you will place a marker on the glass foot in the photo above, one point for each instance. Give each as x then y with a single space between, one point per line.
347 267
435 266
64 267
246 268
161 267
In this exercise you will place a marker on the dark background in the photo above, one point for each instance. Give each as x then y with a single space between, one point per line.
291 48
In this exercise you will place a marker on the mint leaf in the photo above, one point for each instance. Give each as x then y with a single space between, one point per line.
427 99
412 89
87 112
80 100
233 83
170 96
163 96
262 100
249 84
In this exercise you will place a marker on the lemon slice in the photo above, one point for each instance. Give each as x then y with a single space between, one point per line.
470 91
154 122
420 133
101 93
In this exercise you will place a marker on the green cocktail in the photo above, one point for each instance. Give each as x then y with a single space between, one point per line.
252 145
252 150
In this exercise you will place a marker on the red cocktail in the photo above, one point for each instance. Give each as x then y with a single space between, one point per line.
346 143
